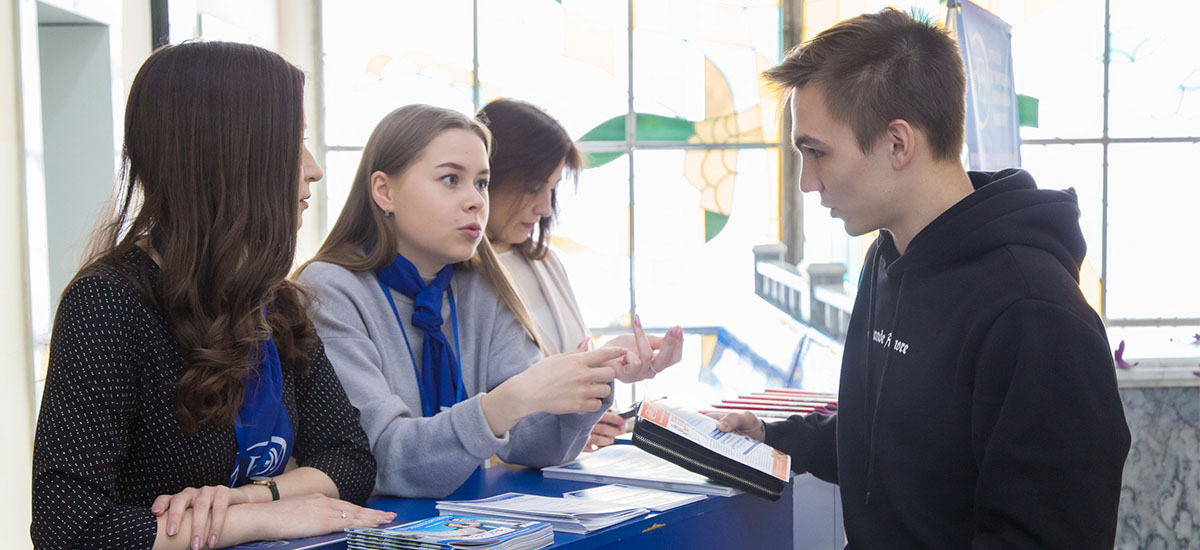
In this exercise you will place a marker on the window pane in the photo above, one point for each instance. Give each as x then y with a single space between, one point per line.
1058 58
382 55
592 239
339 175
1078 167
700 60
1153 196
570 58
682 276
1155 72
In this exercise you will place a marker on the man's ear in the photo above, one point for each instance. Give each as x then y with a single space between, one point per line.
381 191
901 140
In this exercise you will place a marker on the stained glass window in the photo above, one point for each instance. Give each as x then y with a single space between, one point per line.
704 152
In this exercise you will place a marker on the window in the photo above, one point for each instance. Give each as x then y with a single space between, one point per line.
670 208
1120 128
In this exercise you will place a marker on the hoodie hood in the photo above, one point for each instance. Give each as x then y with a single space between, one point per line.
1005 209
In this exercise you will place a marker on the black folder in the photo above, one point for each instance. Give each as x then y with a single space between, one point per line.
677 449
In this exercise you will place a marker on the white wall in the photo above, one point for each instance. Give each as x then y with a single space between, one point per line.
16 377
77 129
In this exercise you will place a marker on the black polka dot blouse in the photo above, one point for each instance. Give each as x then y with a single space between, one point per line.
108 439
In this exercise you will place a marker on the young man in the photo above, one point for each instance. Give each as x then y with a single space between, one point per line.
978 405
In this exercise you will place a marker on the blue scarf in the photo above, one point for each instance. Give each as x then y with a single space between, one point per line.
263 428
439 374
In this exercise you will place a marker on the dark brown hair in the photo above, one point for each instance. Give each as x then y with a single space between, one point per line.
530 144
210 188
879 67
364 239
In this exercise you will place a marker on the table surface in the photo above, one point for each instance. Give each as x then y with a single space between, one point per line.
741 521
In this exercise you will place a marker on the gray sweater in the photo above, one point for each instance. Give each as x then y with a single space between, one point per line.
430 457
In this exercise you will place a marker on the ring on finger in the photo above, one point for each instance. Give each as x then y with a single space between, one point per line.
343 515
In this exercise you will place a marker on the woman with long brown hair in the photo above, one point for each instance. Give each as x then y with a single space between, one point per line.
184 372
429 338
533 153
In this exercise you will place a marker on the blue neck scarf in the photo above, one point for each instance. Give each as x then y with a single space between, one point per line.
263 428
439 373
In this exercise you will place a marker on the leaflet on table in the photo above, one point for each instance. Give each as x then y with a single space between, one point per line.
703 431
629 465
654 500
451 532
570 515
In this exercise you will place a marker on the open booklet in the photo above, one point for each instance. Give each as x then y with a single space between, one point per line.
692 441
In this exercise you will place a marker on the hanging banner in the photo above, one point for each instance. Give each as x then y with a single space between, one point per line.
993 126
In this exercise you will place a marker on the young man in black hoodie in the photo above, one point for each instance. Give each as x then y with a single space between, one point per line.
978 405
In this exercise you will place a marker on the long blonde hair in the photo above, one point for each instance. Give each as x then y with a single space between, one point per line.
363 239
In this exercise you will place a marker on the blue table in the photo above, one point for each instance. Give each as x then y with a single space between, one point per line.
742 521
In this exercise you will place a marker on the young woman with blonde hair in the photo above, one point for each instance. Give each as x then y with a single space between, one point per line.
427 334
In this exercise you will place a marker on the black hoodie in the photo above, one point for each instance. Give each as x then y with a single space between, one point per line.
978 405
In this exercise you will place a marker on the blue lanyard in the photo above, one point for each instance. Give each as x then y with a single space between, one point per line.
453 323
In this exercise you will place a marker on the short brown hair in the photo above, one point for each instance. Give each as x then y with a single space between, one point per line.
879 67
530 144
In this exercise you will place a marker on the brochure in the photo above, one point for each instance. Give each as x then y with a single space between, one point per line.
569 515
629 465
450 532
654 500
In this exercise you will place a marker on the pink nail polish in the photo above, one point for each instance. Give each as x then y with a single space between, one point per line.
212 541
196 542
172 529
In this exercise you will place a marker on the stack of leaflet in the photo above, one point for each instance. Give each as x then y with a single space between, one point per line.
650 499
452 532
778 404
629 465
568 515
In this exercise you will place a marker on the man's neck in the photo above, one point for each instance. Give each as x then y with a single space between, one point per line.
941 187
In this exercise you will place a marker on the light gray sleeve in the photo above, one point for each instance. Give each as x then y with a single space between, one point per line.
417 457
540 439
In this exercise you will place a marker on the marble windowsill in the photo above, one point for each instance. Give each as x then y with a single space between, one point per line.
1162 356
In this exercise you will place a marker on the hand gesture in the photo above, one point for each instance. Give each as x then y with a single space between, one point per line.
648 355
567 383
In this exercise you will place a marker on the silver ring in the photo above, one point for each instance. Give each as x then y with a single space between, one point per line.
652 369
343 515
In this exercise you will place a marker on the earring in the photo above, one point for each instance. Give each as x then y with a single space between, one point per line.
387 213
